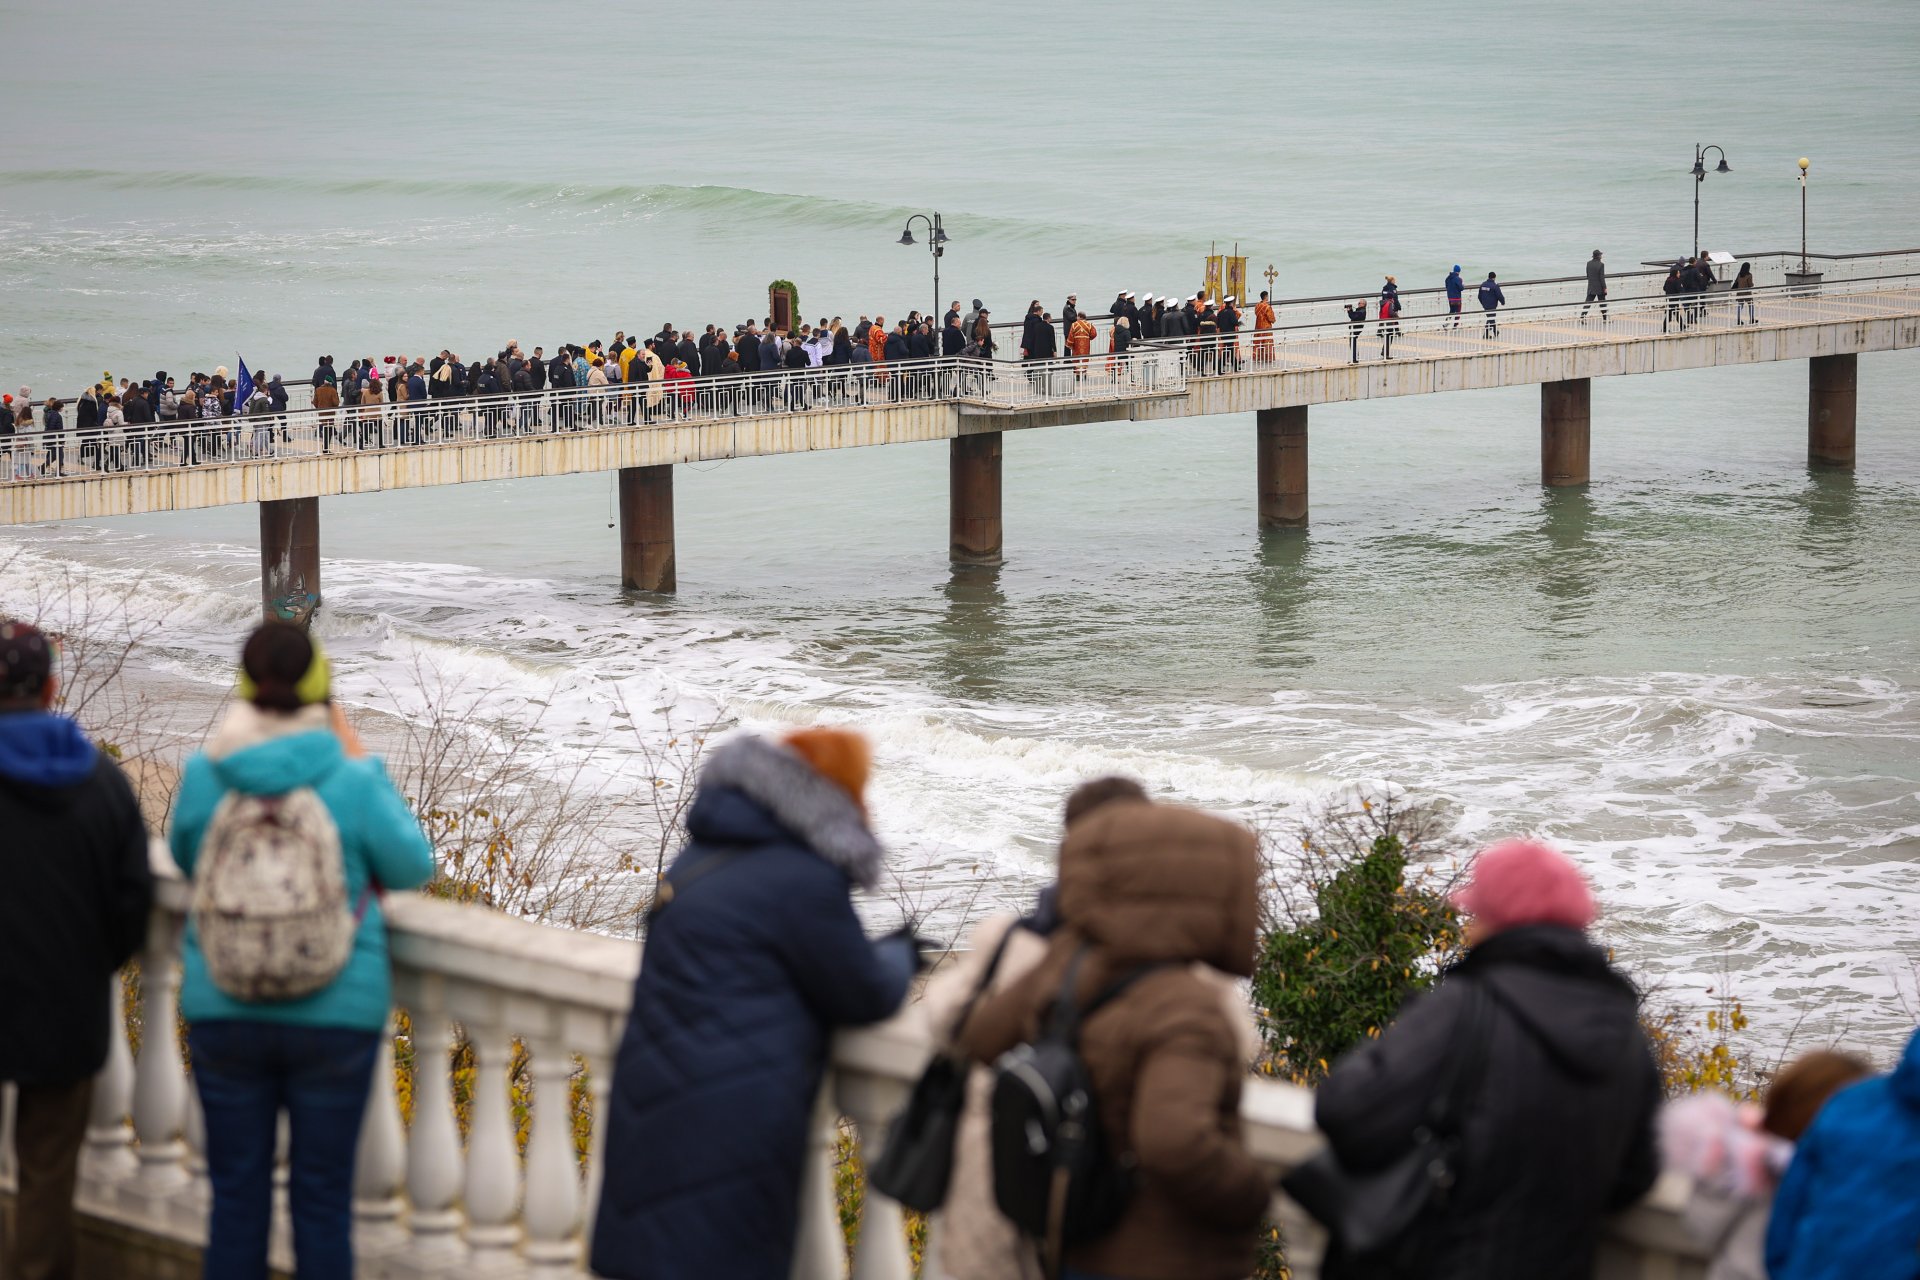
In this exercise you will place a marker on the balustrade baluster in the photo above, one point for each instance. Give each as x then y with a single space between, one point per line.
159 1079
493 1166
552 1210
819 1252
380 1164
881 1251
108 1154
599 1086
433 1146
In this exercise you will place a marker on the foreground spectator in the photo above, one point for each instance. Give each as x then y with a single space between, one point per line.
1161 894
753 957
74 908
285 742
1558 1130
1735 1156
1849 1206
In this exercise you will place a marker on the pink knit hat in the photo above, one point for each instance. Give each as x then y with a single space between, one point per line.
1520 882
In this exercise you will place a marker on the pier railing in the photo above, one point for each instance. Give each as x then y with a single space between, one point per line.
1770 267
505 1059
1148 369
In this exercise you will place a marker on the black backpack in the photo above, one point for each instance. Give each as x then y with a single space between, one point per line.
1054 1175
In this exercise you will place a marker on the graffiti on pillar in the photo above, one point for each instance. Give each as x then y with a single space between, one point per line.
297 605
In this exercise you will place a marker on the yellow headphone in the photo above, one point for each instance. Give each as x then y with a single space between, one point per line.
314 685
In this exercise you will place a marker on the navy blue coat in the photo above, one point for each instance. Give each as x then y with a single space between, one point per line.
746 974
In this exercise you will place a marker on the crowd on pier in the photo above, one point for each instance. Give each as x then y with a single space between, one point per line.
1082 1119
714 370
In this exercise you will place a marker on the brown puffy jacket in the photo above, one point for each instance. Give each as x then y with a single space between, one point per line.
1155 885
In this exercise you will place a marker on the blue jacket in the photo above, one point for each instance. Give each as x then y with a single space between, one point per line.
747 970
1455 286
1490 295
260 753
1849 1207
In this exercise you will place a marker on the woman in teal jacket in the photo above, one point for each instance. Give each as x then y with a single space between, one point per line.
312 1057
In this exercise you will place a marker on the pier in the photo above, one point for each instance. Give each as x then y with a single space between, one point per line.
288 463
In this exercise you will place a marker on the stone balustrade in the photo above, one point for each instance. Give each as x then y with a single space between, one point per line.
540 1006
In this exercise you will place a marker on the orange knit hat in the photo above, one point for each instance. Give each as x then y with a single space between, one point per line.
841 756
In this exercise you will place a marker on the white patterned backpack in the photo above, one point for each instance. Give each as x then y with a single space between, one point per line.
270 897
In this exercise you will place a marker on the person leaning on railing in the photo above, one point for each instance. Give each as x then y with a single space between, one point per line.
285 750
1158 910
753 956
1532 1043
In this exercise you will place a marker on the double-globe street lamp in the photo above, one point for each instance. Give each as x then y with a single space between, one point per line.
1700 176
937 242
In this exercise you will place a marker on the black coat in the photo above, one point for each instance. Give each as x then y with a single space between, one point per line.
1036 336
952 340
1173 324
748 349
748 971
537 374
689 352
1559 1132
78 890
897 347
920 345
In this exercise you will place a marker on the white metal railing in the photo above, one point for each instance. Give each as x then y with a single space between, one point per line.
46 457
1433 335
425 1205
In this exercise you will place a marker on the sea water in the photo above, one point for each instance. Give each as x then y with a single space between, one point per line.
1699 674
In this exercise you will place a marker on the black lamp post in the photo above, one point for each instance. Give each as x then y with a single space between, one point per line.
1700 176
937 242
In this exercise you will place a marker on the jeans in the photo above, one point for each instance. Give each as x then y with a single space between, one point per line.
247 1073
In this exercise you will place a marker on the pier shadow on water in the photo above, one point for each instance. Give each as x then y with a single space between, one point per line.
1831 532
1282 579
1567 568
973 630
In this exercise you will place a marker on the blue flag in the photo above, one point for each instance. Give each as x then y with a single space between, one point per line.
243 389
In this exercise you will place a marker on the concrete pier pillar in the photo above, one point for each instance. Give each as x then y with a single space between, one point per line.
290 558
1832 393
1566 432
646 529
973 494
1283 467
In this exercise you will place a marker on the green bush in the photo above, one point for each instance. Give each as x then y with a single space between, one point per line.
1358 921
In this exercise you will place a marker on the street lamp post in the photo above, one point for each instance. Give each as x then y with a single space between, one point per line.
937 243
1806 277
1700 176
1804 165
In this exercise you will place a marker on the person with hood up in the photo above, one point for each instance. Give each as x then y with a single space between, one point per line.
754 956
1491 300
78 889
1168 897
1557 1131
977 1242
311 1057
1849 1205
1736 1154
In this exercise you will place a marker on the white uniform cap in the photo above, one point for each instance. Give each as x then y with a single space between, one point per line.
1229 297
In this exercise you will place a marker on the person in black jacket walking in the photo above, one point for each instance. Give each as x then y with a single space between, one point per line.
1557 1132
754 957
78 887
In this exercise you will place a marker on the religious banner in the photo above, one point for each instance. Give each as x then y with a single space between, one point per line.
1215 269
1236 279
